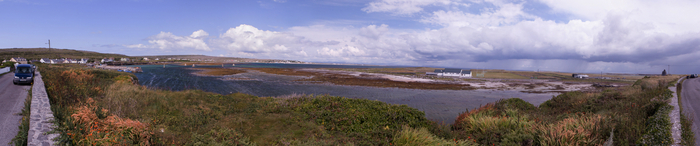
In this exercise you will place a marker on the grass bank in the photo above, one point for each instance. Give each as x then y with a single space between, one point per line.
106 108
634 115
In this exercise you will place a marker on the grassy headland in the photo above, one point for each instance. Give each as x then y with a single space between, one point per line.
340 79
106 108
38 53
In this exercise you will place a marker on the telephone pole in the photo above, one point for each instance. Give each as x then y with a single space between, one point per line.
669 70
49 43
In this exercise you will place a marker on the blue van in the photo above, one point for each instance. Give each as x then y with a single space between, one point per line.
24 73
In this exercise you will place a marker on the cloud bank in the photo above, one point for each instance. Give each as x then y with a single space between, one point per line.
609 36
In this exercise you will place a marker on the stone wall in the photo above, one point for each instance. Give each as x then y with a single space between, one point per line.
40 116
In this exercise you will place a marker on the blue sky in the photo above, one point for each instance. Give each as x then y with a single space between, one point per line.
624 36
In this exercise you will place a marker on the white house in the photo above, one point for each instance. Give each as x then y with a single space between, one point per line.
19 60
124 59
107 60
70 60
451 72
45 60
56 61
82 60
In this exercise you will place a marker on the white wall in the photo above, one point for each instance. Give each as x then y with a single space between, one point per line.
4 70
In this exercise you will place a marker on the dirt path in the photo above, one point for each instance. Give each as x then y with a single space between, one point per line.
675 116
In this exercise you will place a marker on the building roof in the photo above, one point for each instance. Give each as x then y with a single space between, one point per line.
19 59
452 70
438 70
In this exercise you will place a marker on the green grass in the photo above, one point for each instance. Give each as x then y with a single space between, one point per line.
636 113
502 75
195 117
23 134
658 131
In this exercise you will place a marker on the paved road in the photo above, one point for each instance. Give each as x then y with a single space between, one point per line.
690 97
11 103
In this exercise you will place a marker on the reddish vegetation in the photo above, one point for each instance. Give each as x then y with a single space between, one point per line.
218 71
341 79
459 122
106 130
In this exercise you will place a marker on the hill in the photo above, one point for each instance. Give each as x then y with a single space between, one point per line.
37 53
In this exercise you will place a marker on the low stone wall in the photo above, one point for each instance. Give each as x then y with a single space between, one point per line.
40 116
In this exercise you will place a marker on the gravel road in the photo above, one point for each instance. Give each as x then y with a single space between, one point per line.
690 98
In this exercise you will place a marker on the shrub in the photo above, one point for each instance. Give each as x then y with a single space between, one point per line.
489 128
221 137
576 130
515 103
421 137
98 127
366 121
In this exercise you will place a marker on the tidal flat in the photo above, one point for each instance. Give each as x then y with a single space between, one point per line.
439 105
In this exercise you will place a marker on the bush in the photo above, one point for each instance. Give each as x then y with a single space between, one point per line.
515 103
221 137
368 122
576 130
509 127
421 137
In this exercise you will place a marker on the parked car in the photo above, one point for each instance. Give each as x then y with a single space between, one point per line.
24 73
691 76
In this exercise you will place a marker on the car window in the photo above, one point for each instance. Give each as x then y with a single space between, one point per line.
24 70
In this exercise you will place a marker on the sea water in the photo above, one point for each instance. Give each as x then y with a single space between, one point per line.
439 105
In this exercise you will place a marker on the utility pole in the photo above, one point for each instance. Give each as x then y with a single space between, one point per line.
49 43
669 70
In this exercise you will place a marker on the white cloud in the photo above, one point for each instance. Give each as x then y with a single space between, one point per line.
402 7
169 41
374 32
666 16
280 1
247 38
505 14
137 46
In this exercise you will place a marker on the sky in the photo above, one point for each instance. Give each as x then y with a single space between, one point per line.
583 36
